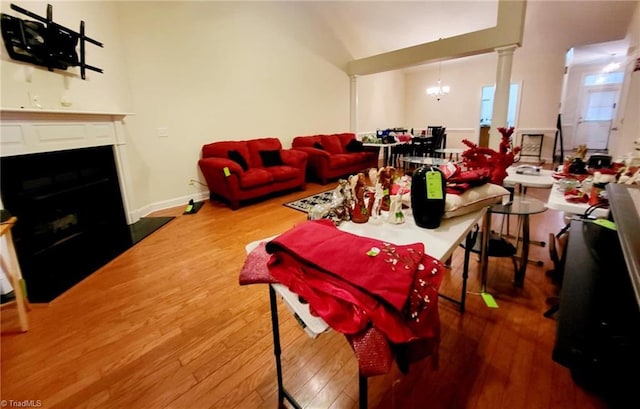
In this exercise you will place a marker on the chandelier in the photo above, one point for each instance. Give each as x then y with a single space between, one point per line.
439 90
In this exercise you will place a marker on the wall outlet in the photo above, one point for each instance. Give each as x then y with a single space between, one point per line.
195 182
34 100
163 132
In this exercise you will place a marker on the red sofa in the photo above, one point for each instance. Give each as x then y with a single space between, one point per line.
242 170
333 156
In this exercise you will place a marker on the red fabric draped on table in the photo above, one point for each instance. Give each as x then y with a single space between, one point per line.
357 283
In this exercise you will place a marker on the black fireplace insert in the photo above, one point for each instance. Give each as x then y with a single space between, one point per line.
71 218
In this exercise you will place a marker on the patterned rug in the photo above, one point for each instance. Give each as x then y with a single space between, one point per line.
308 202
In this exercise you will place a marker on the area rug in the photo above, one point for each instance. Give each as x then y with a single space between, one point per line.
308 202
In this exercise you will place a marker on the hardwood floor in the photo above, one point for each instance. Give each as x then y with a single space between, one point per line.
166 325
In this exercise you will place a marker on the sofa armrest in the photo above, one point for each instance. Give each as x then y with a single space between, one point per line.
294 158
218 179
217 164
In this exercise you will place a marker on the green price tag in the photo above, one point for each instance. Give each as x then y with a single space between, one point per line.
606 223
489 300
434 185
226 172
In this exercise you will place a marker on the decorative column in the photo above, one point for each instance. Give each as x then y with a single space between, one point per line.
353 104
501 94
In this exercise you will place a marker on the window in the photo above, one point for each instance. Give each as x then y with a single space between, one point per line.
486 105
600 105
602 90
604 78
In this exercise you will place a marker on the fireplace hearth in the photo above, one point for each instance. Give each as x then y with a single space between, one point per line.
71 218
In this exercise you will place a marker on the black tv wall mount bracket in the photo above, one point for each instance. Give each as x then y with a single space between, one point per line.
44 42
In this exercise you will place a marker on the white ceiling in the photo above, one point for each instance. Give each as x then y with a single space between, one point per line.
600 53
596 29
374 27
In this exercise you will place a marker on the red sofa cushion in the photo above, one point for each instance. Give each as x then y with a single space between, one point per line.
332 144
283 173
345 138
262 144
255 177
340 161
306 141
221 150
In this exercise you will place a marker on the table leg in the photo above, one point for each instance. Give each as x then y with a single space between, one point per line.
486 231
519 279
469 242
282 392
363 391
386 151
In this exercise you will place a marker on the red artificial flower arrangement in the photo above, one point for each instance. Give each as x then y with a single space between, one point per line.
486 158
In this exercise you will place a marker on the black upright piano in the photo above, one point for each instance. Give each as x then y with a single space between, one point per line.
598 323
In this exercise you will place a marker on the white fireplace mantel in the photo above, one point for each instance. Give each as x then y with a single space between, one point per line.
29 131
26 131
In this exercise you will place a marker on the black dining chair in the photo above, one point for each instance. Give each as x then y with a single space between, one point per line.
431 129
420 145
437 141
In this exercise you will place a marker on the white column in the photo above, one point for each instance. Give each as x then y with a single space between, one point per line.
501 94
353 104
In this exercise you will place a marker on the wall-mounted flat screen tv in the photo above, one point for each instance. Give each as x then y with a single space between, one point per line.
43 42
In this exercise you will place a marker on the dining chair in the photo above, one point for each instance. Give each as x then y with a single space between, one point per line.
431 129
437 141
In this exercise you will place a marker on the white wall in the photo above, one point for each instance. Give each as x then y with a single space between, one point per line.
628 117
99 92
225 71
459 111
205 71
381 101
537 65
540 79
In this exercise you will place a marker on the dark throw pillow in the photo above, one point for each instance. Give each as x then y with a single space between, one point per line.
237 157
271 158
318 145
355 145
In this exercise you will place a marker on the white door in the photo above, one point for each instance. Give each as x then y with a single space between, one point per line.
598 109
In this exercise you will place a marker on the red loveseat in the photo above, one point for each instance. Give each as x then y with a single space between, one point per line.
336 155
242 170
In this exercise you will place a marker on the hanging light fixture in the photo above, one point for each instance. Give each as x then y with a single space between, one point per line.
439 90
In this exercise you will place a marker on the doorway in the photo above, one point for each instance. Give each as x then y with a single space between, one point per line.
592 85
598 102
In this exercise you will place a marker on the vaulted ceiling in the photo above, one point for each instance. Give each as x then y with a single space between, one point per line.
369 28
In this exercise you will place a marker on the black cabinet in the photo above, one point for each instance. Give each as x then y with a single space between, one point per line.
598 325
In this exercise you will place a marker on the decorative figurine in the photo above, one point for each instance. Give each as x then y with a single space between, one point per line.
344 190
375 211
395 210
385 178
360 212
373 176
